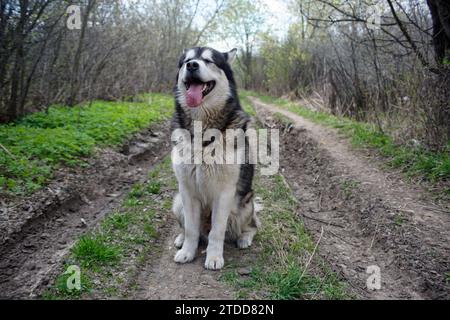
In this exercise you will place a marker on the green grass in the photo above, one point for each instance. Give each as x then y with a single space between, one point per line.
347 187
281 270
124 238
245 103
60 288
399 220
154 187
283 119
118 221
39 143
150 230
417 162
94 250
292 283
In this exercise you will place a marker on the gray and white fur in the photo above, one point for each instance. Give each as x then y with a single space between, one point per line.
215 201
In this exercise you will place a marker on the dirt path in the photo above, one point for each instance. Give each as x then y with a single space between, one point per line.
370 216
162 278
37 232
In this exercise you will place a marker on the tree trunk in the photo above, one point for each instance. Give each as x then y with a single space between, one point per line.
17 72
440 14
74 81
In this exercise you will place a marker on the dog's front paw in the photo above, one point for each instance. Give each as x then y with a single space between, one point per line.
214 262
183 256
244 243
179 241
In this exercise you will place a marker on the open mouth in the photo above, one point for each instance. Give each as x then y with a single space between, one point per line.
206 86
197 91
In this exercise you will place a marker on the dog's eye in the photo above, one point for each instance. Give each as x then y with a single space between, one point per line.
208 61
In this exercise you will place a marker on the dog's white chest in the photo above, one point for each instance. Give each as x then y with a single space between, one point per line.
208 181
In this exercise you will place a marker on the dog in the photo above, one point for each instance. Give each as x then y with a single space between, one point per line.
215 201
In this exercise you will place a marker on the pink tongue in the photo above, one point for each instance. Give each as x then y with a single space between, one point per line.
194 95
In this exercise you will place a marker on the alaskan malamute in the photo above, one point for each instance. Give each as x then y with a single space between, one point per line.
215 201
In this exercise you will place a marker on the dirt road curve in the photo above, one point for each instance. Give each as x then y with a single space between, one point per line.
370 216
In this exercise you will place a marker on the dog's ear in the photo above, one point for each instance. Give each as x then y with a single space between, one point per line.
230 55
180 60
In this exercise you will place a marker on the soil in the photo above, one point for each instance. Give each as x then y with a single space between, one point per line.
370 215
37 232
161 278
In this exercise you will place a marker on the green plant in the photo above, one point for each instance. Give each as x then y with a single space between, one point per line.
35 146
94 250
154 187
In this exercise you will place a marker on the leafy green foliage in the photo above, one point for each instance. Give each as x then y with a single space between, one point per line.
38 143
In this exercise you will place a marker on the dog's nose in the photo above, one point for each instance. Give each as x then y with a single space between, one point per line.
192 66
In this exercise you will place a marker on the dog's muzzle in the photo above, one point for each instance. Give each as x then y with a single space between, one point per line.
196 89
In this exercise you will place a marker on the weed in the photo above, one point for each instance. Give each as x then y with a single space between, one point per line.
154 187
348 186
118 221
94 250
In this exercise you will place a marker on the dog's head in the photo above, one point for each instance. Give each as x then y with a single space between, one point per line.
205 77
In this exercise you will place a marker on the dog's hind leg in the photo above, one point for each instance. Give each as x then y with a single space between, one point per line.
177 209
246 237
179 240
250 223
